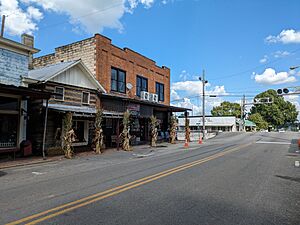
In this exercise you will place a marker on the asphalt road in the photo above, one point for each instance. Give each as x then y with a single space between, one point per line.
235 178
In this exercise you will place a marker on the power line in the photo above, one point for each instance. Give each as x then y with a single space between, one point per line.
213 96
253 68
83 16
16 12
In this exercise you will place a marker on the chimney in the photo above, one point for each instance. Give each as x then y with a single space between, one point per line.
28 40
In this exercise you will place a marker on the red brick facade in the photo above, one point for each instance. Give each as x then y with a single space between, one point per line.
100 56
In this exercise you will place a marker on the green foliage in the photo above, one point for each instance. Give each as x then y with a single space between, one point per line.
259 121
227 109
278 113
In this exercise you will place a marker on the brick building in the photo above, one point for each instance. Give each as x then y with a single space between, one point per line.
100 56
132 82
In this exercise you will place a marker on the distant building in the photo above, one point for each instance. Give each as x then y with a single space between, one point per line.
213 125
248 125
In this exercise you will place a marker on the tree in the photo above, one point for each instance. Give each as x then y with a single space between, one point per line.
227 109
278 113
259 121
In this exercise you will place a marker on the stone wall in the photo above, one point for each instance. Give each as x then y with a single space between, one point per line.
12 66
84 50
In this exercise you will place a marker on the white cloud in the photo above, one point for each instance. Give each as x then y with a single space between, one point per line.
277 54
19 21
264 59
189 86
269 76
174 95
281 54
91 16
294 99
34 13
188 93
285 37
187 103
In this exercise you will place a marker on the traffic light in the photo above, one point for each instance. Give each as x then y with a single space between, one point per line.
283 91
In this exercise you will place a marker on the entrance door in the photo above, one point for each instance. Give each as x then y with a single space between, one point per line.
144 129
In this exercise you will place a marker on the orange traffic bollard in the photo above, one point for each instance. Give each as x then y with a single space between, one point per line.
200 140
186 144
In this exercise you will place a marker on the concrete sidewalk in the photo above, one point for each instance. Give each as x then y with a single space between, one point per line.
139 151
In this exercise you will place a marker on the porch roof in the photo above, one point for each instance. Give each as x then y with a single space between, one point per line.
79 110
24 91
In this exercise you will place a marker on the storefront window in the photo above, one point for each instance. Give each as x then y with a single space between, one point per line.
7 103
79 130
8 130
9 113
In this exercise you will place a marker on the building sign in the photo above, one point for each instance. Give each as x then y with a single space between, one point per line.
134 109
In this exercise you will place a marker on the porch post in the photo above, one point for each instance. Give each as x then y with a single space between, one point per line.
45 128
118 134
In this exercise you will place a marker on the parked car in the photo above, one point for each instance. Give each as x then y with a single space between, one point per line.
263 131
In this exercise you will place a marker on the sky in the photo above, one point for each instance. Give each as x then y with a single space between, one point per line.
244 46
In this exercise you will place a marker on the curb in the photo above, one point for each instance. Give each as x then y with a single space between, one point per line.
28 164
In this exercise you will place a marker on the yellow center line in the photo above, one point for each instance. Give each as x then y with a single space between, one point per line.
114 191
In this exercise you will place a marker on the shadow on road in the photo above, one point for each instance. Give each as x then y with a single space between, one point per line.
296 179
2 173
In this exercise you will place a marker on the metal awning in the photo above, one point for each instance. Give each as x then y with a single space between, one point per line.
112 114
77 110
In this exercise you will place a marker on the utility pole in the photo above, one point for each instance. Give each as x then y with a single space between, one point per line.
202 79
2 25
243 103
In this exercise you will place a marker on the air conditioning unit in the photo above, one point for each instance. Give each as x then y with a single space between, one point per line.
145 95
153 97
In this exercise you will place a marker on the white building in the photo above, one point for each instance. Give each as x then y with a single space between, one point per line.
212 123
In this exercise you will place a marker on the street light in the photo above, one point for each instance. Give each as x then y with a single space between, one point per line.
294 67
202 79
